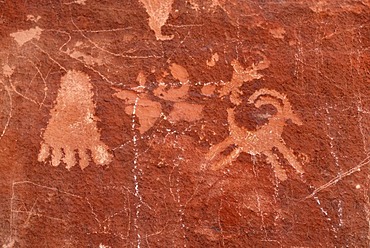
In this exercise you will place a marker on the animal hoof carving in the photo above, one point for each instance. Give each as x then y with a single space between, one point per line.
262 141
72 127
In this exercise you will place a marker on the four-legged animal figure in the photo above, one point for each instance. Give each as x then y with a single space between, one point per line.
261 141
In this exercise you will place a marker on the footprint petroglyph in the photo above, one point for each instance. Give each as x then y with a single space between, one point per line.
73 126
263 140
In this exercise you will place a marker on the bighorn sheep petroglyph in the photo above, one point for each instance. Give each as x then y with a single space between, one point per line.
261 141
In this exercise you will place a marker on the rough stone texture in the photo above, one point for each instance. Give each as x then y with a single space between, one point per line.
171 123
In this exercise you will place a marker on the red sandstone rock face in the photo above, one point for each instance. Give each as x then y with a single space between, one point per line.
165 123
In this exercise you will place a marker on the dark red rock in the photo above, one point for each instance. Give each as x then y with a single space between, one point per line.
166 123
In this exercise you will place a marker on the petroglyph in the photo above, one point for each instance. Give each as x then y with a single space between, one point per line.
182 110
263 140
172 94
213 60
208 89
24 36
179 72
7 70
146 110
87 59
241 75
32 18
72 126
158 11
277 33
186 111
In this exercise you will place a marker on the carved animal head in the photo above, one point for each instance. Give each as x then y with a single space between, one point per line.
278 100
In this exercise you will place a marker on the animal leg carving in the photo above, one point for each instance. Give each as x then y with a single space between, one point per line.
228 160
217 149
288 155
273 160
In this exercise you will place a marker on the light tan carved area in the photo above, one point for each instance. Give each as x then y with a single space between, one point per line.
73 126
186 111
146 110
182 110
208 89
261 141
24 36
179 72
158 11
278 33
172 94
214 59
77 52
241 75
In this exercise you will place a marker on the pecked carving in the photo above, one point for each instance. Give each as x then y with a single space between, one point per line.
261 141
72 126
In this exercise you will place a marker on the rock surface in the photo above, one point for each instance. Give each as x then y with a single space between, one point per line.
168 123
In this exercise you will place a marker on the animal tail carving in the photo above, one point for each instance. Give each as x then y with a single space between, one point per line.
278 100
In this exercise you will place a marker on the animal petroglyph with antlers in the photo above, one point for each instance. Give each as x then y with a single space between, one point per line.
263 140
